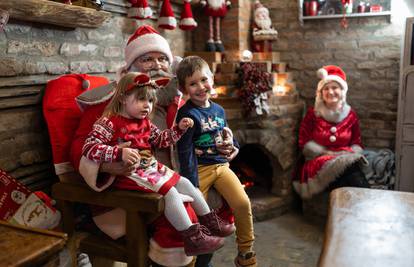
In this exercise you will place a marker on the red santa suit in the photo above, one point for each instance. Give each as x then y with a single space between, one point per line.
317 134
323 131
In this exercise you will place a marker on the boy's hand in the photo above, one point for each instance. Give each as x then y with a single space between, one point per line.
185 123
130 156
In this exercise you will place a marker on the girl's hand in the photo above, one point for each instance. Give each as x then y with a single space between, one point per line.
130 156
185 123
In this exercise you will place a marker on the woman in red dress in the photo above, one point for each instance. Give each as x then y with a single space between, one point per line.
330 139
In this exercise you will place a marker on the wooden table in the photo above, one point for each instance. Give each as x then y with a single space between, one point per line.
23 246
369 228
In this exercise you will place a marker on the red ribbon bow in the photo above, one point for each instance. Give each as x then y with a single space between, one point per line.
143 79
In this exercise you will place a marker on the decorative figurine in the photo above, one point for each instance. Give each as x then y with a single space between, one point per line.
215 10
263 32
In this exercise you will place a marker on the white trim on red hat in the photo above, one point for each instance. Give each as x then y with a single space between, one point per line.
167 23
150 42
188 22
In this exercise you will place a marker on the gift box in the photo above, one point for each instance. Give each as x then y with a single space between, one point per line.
19 205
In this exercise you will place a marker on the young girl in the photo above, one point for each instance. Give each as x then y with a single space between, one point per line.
126 120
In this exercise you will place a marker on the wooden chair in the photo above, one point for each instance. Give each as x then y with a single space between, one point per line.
139 207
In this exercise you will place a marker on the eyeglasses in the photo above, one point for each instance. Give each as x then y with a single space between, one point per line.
149 61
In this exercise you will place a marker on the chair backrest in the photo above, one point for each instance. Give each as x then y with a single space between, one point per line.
62 114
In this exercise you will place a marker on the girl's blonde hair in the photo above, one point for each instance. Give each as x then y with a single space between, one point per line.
123 90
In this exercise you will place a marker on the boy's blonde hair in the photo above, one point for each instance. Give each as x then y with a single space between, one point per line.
188 66
124 89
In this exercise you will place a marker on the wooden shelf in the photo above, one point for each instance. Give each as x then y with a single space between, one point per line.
45 11
352 15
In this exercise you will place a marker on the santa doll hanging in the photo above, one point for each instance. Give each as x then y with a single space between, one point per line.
215 10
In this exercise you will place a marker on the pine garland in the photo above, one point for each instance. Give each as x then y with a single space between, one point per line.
254 80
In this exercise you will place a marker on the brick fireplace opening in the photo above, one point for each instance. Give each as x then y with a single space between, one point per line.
254 169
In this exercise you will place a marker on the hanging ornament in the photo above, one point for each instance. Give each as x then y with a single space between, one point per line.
187 21
167 20
139 9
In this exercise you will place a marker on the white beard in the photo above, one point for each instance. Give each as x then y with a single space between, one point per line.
264 24
215 4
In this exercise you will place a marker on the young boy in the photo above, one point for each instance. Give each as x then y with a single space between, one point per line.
201 162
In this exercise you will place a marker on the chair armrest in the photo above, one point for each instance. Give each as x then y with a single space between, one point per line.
128 200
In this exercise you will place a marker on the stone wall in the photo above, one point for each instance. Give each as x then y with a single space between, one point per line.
33 53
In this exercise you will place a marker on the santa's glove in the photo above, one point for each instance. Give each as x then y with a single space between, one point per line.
228 4
203 3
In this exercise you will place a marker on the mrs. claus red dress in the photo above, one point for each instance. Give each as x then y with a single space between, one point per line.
319 135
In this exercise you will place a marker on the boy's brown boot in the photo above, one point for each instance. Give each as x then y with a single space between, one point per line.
198 240
247 259
216 225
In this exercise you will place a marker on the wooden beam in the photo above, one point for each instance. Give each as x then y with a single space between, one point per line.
45 11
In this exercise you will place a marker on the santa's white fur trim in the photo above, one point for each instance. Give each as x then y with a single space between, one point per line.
312 149
335 116
89 171
96 96
167 21
326 175
168 256
112 223
63 167
150 42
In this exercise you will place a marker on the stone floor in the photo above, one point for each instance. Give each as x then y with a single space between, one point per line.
289 240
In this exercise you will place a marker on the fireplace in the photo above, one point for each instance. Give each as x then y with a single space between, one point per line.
254 169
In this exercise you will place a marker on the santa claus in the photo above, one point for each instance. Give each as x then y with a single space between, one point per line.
215 10
263 32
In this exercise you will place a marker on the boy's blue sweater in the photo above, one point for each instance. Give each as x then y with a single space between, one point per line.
198 144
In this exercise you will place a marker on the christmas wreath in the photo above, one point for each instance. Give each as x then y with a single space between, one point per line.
255 81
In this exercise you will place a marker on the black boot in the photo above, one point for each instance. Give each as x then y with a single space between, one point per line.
219 46
210 47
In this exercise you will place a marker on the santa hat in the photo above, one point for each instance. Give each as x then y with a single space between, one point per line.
187 21
167 20
332 73
144 40
139 9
